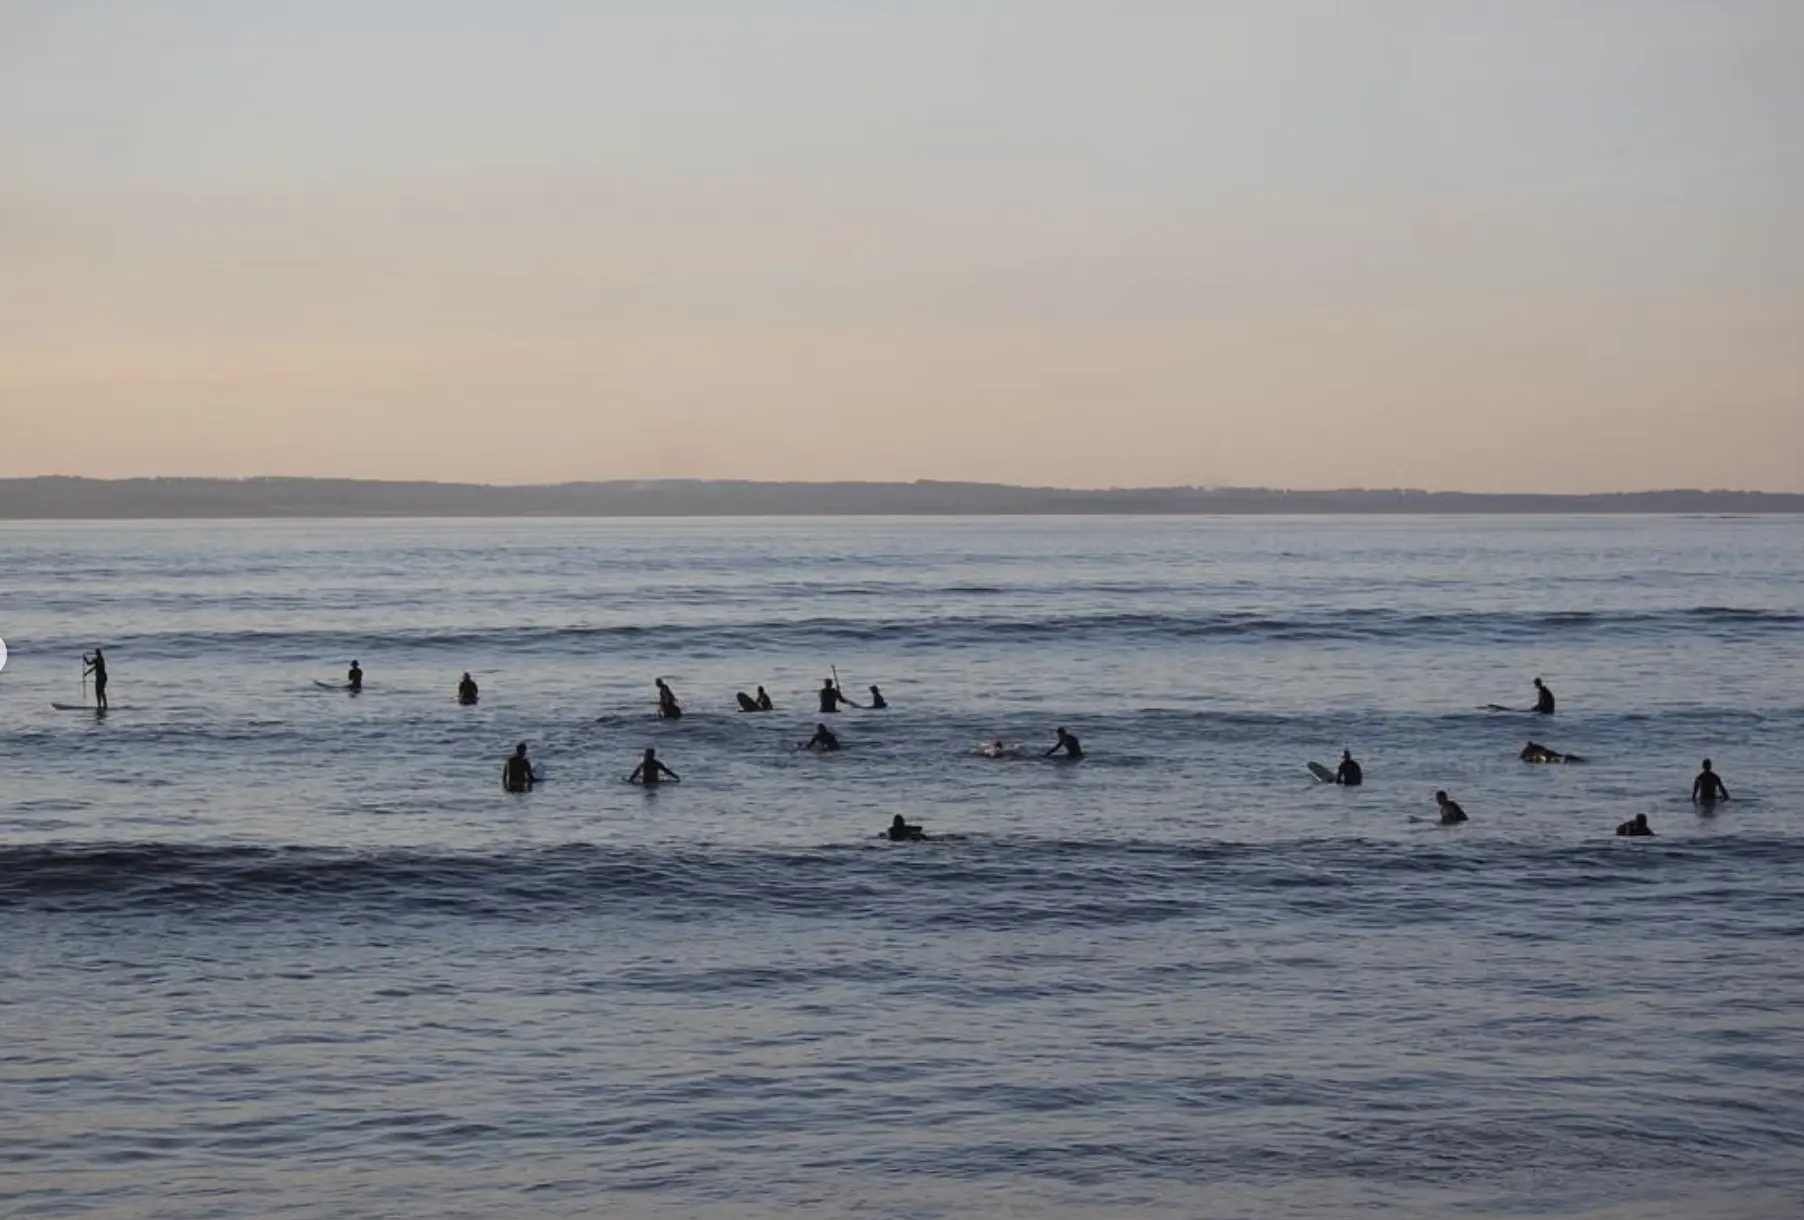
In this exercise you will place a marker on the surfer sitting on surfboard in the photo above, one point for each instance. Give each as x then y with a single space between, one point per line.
1451 813
763 700
1068 743
668 708
1636 827
516 772
650 770
1543 698
901 832
1348 773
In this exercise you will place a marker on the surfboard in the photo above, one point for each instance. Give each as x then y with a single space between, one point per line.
84 707
1322 773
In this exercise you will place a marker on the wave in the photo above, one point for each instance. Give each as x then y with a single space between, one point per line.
933 885
1353 625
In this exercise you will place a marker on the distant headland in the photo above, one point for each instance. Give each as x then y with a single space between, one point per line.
63 498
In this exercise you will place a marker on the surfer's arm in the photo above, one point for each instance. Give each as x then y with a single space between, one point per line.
637 772
672 774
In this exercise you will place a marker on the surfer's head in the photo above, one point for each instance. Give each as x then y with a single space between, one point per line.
1441 797
520 749
1706 764
650 753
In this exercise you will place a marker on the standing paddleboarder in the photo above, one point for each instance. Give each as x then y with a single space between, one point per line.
96 665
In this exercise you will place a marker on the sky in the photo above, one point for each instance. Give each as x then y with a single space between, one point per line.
1526 245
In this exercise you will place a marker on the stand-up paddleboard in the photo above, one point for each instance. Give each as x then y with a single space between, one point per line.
89 707
332 685
1322 773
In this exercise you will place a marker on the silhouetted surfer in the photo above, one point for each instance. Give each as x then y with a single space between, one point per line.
1707 788
1636 827
1068 743
1348 773
1451 813
649 771
832 697
901 832
668 708
96 665
354 678
764 703
1535 752
823 740
467 693
1543 698
877 699
516 772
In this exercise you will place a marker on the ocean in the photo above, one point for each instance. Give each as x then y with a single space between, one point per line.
268 949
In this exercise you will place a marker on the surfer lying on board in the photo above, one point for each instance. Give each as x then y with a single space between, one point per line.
823 740
832 697
1707 788
467 693
1348 773
516 772
1535 752
1068 743
1636 827
96 665
901 832
1451 813
354 677
668 708
649 771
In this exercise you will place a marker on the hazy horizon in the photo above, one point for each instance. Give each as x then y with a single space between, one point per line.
1537 248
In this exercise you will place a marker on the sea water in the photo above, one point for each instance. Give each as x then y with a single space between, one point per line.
268 949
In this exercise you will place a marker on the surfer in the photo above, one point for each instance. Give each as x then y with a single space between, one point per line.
823 740
649 771
1707 788
1349 774
764 703
1543 698
878 702
467 693
746 702
1068 743
96 665
1535 752
354 677
1451 813
832 697
1636 827
668 708
995 749
901 832
516 772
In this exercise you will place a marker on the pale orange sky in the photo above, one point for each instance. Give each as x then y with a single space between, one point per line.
1543 247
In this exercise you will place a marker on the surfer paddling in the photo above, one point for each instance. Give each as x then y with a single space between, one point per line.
1067 742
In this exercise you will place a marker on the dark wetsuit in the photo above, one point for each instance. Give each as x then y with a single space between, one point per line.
831 698
1068 743
822 740
877 699
1544 701
902 832
516 774
1707 788
1452 814
764 703
354 679
466 692
1349 774
1635 827
651 773
98 668
668 708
